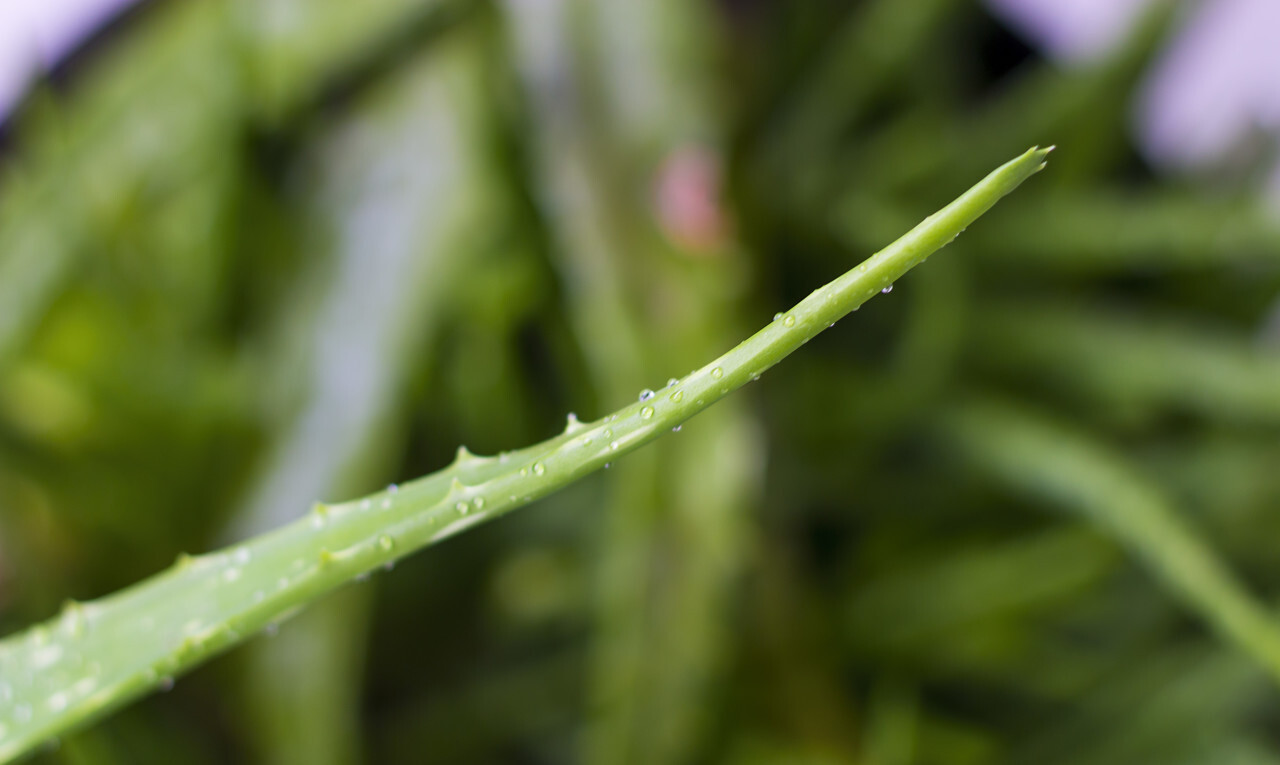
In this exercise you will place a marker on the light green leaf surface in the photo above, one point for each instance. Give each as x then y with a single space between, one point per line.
96 656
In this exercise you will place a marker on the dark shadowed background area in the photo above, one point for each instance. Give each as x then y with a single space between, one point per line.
1022 508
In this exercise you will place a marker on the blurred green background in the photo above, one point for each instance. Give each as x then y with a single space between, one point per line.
1021 509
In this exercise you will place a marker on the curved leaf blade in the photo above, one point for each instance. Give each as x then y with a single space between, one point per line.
97 656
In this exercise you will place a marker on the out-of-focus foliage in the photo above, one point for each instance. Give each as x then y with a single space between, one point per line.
258 253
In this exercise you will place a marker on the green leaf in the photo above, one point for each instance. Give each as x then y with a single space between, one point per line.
96 656
1068 468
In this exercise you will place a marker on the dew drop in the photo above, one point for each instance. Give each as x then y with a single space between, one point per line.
538 469
790 321
676 429
777 315
385 543
365 505
677 396
863 268
478 503
463 508
672 381
386 504
58 702
608 433
73 618
646 394
166 684
241 556
613 446
887 289
392 488
646 412
608 465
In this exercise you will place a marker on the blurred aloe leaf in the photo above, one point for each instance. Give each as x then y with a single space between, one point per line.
1068 468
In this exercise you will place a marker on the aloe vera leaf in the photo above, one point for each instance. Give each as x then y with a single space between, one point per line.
1166 361
987 583
1107 231
1172 701
1057 463
97 655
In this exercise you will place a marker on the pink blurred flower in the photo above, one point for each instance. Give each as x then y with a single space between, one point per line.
687 200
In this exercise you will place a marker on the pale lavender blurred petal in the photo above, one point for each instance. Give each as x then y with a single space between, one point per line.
35 34
1071 31
1216 83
